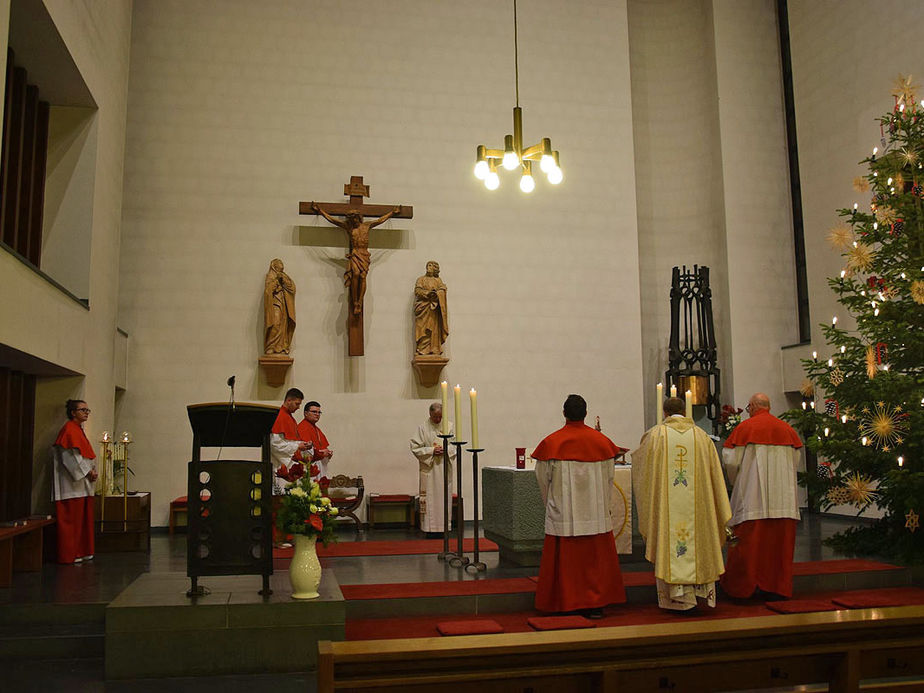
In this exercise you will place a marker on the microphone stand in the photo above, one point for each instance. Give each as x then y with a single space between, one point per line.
227 418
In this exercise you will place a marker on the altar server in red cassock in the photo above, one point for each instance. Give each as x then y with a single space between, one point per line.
74 474
580 566
308 430
286 445
761 456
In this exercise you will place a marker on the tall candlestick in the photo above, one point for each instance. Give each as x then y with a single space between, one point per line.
457 396
673 390
659 405
445 425
689 412
474 397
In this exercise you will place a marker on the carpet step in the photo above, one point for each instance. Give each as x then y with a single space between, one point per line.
37 642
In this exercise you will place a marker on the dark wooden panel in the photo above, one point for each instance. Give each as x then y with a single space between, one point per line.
14 161
27 181
38 188
6 488
4 159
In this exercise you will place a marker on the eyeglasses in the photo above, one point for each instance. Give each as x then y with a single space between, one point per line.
84 410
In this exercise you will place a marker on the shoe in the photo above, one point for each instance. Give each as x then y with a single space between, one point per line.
88 558
79 560
594 614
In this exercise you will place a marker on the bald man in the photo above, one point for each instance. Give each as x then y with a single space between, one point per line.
761 456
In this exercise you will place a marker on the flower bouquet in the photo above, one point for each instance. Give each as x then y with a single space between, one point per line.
729 418
305 507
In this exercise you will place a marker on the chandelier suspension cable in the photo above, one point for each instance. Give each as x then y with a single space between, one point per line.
516 54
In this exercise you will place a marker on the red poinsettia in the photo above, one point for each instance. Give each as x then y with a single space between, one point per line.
315 521
324 483
315 470
291 474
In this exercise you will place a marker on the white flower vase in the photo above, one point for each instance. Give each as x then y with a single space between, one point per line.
305 568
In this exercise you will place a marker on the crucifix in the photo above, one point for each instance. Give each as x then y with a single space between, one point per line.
358 232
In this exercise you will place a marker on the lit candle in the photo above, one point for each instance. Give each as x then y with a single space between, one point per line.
660 403
445 388
673 390
689 412
474 397
457 396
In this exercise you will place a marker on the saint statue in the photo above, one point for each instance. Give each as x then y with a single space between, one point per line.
358 257
278 310
431 318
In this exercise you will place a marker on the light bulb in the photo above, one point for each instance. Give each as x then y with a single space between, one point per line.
814 354
481 169
889 182
843 273
843 349
804 406
875 149
826 431
555 176
855 206
511 161
864 440
834 320
547 163
492 180
527 183
876 312
901 460
843 418
902 275
875 225
830 363
901 109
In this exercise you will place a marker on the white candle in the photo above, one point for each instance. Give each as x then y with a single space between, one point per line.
673 390
660 403
457 396
689 412
474 398
445 426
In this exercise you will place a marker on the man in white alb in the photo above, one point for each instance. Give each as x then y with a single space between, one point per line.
427 447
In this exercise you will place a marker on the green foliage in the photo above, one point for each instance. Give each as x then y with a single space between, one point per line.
880 288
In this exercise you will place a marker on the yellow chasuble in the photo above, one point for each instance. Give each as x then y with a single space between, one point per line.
682 503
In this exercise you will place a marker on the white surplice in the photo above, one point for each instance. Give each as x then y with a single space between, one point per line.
431 475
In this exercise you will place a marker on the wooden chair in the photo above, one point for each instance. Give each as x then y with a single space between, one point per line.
347 504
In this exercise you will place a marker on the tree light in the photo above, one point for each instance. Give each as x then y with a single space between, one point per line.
864 440
843 273
901 461
834 320
875 149
826 431
843 418
814 354
843 349
805 406
830 362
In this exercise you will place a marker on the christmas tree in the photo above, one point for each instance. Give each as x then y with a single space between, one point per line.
868 432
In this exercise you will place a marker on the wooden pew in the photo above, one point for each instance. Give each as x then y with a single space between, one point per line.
21 547
839 648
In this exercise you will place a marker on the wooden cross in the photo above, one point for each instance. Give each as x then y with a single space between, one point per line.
358 257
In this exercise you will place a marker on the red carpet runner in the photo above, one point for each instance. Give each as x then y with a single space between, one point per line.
622 615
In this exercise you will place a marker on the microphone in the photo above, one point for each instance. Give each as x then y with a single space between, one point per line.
227 416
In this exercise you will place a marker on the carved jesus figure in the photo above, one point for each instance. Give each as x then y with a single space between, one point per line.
358 257
431 317
278 310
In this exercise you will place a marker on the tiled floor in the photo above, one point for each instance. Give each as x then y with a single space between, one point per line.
103 579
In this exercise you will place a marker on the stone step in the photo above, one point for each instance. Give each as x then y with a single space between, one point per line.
47 641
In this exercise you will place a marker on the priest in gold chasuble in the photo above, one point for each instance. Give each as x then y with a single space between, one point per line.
682 508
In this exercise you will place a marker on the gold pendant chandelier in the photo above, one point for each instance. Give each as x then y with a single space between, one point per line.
514 155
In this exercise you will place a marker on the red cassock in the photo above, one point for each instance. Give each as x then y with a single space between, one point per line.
579 570
307 431
285 424
74 512
763 556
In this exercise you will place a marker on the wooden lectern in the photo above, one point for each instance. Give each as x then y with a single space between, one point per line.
230 501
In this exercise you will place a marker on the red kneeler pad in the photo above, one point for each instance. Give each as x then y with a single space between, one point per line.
475 627
559 622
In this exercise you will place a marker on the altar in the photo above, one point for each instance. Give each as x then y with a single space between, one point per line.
514 514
